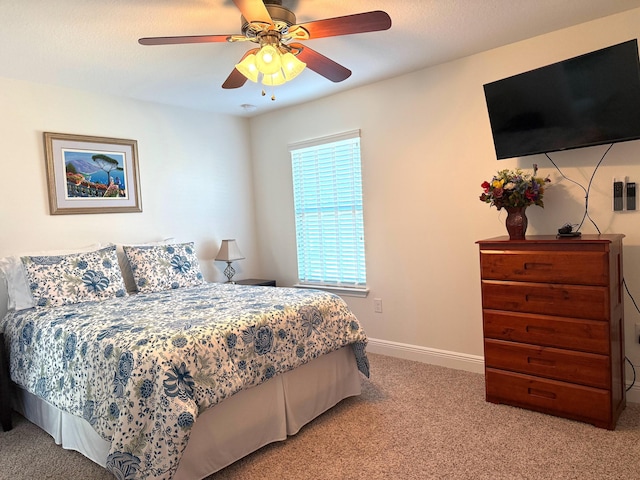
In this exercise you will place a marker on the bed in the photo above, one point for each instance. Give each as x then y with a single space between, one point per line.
183 377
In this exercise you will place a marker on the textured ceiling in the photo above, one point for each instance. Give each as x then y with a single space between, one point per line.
92 45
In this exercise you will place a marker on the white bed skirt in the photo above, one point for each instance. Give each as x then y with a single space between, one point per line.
231 430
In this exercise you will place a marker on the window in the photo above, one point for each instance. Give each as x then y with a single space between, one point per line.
327 188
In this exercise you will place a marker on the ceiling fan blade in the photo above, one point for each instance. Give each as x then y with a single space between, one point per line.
320 64
357 23
235 78
253 11
183 39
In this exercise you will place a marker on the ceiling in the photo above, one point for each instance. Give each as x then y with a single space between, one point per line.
92 45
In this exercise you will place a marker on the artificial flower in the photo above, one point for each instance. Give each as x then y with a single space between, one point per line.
514 188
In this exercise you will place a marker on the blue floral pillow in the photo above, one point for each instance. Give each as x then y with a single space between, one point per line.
80 277
163 267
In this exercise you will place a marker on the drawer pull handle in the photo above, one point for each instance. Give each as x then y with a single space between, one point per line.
538 266
535 329
541 393
541 361
538 298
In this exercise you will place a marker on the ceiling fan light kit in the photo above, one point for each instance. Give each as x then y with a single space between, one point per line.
277 59
276 68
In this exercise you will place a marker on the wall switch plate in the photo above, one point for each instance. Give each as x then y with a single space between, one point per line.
377 305
617 195
631 195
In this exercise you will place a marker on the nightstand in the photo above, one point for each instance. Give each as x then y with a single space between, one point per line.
5 388
257 282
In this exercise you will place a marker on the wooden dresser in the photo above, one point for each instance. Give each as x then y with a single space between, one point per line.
554 325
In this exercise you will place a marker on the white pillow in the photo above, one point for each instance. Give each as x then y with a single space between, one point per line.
125 266
15 274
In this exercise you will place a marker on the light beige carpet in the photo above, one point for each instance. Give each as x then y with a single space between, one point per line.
412 421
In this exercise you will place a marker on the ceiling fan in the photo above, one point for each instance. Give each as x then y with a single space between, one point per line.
279 56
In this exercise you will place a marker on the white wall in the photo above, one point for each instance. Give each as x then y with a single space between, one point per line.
426 148
194 175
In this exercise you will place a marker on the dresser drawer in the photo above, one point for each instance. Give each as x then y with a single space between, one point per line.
580 268
578 402
576 301
576 367
575 334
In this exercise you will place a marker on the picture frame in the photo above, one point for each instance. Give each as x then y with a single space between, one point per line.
88 174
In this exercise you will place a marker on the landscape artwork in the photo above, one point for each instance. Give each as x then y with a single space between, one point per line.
87 174
94 174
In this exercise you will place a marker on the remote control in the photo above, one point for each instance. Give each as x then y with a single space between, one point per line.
631 196
617 196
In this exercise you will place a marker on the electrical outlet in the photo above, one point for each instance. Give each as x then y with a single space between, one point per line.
377 305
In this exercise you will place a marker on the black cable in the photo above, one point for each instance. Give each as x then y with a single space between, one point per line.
630 296
586 201
585 190
634 373
638 310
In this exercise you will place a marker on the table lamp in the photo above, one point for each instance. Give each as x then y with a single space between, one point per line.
229 252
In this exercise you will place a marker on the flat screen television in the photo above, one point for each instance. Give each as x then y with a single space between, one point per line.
588 100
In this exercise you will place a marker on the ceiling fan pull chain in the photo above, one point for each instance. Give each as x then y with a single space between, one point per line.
273 95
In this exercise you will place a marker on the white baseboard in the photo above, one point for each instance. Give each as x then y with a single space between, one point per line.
633 394
433 356
445 358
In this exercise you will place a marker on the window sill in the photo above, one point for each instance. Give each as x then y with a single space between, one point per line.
346 291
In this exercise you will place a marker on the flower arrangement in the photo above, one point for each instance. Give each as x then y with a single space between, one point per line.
514 188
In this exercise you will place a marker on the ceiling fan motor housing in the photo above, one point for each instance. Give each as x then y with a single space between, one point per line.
282 18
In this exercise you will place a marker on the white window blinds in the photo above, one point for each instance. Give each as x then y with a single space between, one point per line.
327 186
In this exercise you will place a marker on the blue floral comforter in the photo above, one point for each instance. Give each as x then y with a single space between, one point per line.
140 369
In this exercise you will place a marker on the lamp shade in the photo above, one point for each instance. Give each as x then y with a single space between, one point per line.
229 251
268 60
291 66
247 67
274 79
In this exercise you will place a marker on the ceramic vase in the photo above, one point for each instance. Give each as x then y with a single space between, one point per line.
516 222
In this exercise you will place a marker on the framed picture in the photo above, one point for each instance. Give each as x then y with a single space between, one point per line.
91 174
